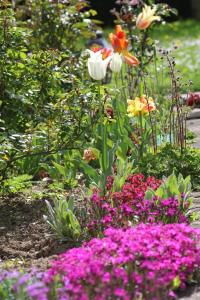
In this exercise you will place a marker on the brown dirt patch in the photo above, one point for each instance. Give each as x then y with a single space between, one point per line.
23 233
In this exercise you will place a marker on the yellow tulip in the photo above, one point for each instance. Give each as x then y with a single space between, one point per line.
140 105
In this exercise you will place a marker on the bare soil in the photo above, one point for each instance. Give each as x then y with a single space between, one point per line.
25 238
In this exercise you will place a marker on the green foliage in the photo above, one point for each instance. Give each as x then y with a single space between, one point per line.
179 30
17 184
106 159
169 160
62 219
173 187
6 290
190 136
47 106
184 35
123 169
51 110
59 24
62 168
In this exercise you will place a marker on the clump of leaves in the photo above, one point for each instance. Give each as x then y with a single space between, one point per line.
58 109
62 219
171 187
17 184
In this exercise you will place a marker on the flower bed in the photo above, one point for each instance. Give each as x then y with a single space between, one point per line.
121 209
145 262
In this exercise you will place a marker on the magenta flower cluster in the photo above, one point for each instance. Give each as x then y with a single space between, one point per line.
120 209
145 262
148 261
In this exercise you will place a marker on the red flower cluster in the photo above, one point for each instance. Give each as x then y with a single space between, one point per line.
119 208
193 99
137 185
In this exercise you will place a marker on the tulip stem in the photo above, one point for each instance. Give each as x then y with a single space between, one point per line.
101 104
141 135
123 86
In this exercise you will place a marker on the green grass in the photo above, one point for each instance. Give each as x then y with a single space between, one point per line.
184 29
186 36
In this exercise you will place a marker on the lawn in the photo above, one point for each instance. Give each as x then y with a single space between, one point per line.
185 36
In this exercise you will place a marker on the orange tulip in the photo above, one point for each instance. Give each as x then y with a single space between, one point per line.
120 45
146 17
118 40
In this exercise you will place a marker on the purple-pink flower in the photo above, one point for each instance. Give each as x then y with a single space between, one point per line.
144 260
128 206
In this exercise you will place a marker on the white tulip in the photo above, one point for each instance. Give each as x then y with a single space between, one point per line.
97 66
116 62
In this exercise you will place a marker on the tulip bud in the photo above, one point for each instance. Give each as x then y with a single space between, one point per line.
116 62
89 155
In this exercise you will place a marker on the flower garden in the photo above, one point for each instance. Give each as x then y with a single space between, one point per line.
98 168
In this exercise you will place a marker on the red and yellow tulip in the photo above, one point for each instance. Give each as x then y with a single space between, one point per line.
140 106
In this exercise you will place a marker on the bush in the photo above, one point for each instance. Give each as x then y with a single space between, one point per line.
145 262
47 104
170 159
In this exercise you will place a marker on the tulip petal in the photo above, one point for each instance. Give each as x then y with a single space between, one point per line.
130 59
118 40
97 67
116 62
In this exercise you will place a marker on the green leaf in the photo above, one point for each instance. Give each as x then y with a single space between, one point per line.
149 194
60 169
176 282
160 192
22 55
71 204
89 171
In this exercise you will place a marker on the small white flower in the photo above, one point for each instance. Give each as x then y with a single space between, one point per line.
97 66
116 62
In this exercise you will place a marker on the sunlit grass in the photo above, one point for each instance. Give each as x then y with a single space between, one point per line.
185 35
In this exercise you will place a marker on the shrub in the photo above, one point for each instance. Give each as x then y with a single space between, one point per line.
170 159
